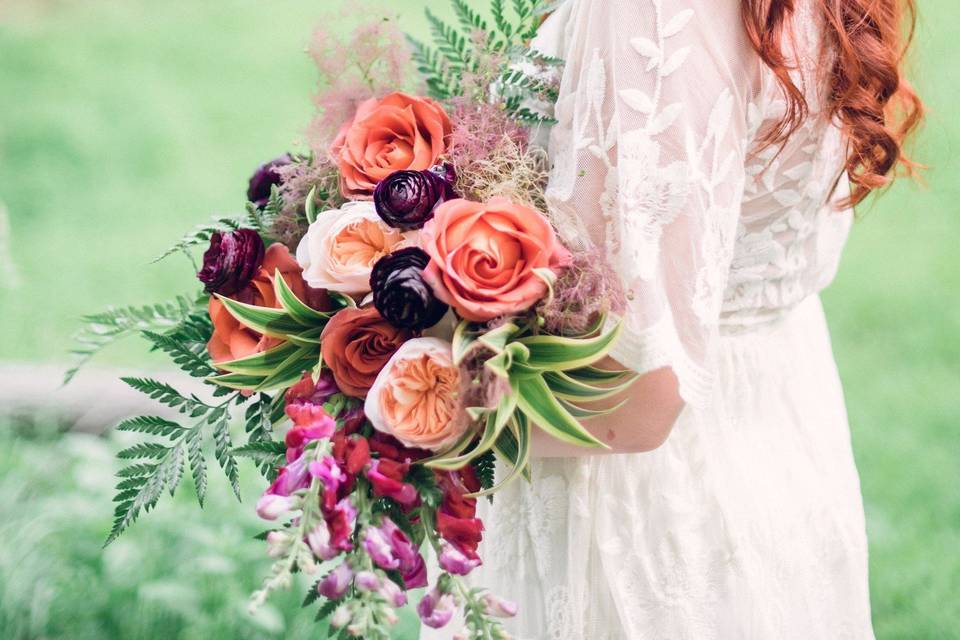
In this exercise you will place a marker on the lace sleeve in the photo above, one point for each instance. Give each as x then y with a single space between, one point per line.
648 156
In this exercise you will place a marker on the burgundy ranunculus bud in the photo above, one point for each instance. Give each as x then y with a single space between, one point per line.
263 180
406 199
400 293
231 261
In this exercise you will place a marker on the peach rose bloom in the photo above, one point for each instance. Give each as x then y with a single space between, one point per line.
482 256
232 340
342 245
395 133
415 398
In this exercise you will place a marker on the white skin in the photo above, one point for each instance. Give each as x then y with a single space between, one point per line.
642 424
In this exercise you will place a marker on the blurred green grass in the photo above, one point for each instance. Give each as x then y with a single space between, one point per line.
123 123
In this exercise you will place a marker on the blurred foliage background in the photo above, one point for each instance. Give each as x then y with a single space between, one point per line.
125 122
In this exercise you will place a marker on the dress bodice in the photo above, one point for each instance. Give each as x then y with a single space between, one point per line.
658 160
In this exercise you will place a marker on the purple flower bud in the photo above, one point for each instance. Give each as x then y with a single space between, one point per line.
406 199
341 617
400 293
378 547
271 506
454 561
266 175
231 261
335 584
498 607
367 581
436 608
393 594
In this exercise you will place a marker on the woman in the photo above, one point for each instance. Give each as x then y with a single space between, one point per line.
713 149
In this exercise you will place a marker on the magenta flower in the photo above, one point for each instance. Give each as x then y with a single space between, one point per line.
271 506
367 581
332 477
436 609
377 546
453 560
385 485
335 584
310 423
415 574
498 607
392 593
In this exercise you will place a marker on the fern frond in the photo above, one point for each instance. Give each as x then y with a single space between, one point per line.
100 330
223 449
152 425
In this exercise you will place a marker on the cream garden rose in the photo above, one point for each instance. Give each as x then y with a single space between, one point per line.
415 398
342 245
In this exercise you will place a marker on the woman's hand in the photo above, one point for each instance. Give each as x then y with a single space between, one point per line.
642 424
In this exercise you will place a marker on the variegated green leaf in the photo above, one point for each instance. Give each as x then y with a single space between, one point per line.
495 422
582 413
553 353
260 364
539 404
464 340
496 340
516 441
298 310
310 206
271 322
568 388
594 374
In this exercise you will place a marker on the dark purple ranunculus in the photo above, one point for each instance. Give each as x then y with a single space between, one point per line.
231 261
406 199
263 180
400 293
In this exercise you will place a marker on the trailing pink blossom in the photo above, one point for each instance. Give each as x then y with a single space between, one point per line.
436 608
335 584
453 560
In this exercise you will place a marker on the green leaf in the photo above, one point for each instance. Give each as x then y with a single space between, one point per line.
196 365
554 353
516 441
496 340
464 340
153 425
594 374
298 310
271 322
263 452
540 406
164 393
310 206
582 413
568 388
223 449
485 466
261 364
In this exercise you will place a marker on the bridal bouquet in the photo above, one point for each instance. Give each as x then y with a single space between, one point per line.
396 304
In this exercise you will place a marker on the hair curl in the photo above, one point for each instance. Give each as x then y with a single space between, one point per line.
867 94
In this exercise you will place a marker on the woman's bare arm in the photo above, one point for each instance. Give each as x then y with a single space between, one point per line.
642 424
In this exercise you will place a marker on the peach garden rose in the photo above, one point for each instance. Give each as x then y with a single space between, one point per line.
395 133
415 398
340 248
483 256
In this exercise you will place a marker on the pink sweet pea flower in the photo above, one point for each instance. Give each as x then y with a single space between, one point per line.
455 561
367 581
498 607
271 506
393 593
310 422
335 584
332 476
436 609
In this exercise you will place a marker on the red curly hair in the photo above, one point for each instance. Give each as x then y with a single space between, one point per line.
866 91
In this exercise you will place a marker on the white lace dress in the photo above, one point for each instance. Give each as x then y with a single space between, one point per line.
748 522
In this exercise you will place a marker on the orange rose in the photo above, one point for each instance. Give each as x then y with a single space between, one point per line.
355 345
483 256
395 133
415 398
232 340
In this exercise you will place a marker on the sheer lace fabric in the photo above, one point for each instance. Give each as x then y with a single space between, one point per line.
748 522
